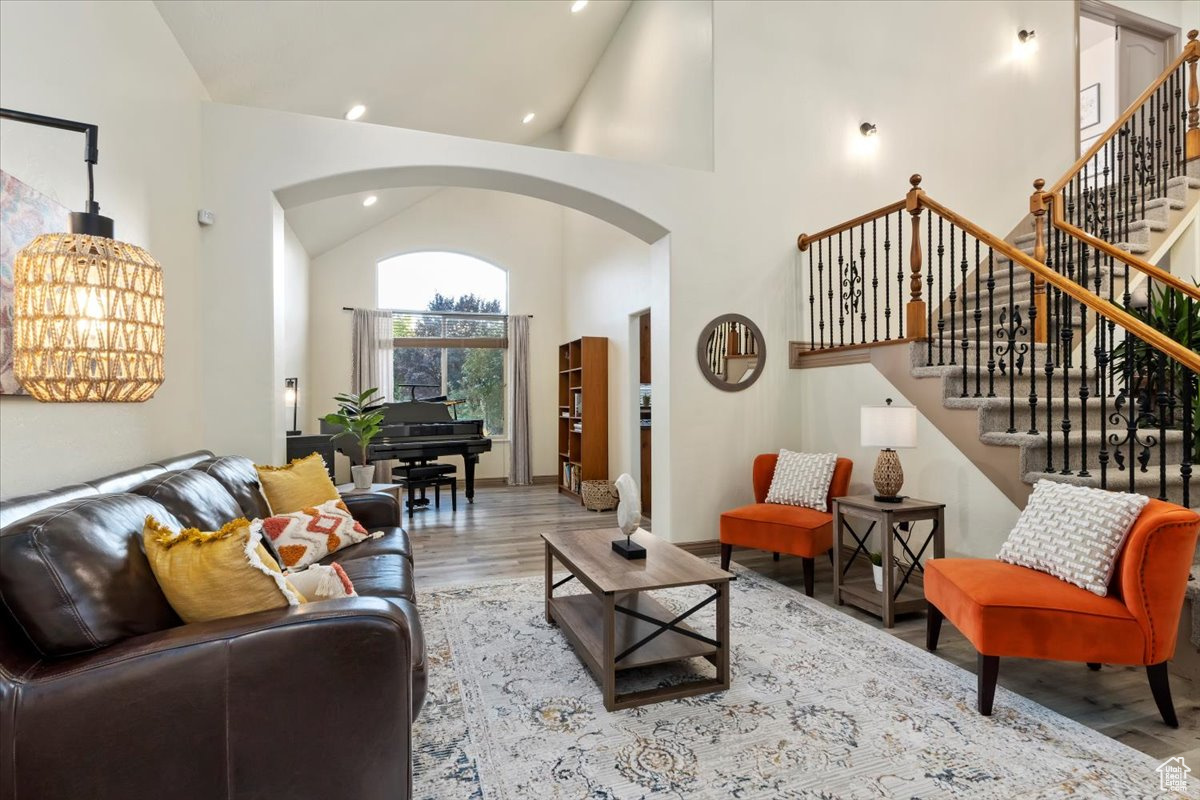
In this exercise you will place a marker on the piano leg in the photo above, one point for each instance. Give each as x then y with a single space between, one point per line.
469 463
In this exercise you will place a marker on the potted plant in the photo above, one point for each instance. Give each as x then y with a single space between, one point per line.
359 416
877 569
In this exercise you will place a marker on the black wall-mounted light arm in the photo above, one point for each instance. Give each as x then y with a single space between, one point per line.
89 221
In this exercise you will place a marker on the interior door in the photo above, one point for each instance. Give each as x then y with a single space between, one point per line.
1141 58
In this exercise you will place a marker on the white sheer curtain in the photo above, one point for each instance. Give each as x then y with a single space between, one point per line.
371 363
520 472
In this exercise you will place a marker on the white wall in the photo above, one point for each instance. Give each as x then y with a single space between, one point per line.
520 234
606 279
296 330
1098 64
650 97
117 65
785 126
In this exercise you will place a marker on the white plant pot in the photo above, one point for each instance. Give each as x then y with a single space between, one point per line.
877 572
364 475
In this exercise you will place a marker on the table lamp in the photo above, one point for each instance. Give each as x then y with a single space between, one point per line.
888 427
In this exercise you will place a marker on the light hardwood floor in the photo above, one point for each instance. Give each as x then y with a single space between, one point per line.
498 537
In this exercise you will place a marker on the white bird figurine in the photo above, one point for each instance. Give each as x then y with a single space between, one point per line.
629 506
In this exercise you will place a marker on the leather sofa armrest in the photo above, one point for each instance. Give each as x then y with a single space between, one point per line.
307 702
374 510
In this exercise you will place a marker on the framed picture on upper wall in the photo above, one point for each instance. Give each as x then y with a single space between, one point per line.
1089 106
25 213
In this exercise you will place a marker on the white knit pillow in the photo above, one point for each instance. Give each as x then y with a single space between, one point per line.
802 479
1073 532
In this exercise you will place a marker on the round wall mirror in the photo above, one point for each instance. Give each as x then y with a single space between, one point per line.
731 352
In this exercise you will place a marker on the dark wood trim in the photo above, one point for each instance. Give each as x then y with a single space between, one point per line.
933 627
1160 687
802 356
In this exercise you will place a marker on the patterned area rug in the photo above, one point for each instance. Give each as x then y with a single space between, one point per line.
822 706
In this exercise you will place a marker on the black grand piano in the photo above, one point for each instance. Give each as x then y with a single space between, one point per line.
414 432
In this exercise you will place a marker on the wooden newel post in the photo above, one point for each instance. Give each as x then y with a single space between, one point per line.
914 311
1192 143
1037 207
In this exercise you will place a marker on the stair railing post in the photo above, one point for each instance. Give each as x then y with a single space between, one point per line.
914 310
1192 143
1037 207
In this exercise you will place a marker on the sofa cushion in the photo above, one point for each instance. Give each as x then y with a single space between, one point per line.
794 530
75 578
195 499
15 508
388 576
394 541
1010 610
237 475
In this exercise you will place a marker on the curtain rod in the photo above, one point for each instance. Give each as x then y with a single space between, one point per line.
443 313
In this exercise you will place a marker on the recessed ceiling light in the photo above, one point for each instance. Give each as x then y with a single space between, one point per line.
356 112
369 201
528 118
578 5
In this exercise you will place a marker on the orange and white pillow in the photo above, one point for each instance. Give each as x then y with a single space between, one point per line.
321 582
306 536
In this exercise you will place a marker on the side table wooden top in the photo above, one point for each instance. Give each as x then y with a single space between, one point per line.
868 502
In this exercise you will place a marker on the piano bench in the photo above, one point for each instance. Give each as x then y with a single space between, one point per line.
421 472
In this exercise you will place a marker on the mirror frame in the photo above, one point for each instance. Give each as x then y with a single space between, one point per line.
702 353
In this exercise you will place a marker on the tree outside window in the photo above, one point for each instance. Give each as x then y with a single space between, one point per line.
475 375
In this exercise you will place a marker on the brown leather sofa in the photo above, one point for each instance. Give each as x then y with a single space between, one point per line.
105 693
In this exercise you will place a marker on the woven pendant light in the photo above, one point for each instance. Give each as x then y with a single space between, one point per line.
87 309
87 320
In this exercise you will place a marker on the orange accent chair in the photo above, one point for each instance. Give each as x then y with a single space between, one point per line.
1007 610
795 530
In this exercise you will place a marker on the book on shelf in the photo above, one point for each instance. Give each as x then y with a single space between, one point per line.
578 404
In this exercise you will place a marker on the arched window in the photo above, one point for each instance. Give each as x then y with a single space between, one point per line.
450 331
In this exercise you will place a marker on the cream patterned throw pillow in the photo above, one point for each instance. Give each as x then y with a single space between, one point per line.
1073 532
802 479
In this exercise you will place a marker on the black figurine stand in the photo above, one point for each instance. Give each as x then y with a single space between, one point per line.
629 549
889 498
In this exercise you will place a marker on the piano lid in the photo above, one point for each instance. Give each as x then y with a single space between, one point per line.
413 412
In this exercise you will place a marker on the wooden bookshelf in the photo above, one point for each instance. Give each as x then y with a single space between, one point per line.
582 413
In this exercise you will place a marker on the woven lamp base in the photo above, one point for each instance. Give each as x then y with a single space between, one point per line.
889 477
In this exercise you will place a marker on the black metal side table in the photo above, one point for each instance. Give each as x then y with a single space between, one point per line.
897 597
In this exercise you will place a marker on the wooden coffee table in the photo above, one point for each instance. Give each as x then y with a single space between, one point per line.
617 626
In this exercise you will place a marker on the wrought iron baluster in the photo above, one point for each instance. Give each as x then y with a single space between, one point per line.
953 297
874 282
1083 379
1065 334
965 344
1163 144
821 293
1102 359
900 274
941 324
1189 414
848 289
1161 359
841 306
978 321
929 285
887 278
1011 347
991 327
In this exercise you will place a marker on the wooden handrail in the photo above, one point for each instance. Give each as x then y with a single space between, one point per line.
1152 337
1190 52
805 239
1162 276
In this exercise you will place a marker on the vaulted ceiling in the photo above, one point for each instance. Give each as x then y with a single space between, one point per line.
463 67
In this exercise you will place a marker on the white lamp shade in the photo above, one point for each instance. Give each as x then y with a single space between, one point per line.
889 426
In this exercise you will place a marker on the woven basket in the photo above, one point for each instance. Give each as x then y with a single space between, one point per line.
599 495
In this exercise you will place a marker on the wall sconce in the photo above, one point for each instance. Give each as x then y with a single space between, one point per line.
87 309
867 129
291 399
1028 40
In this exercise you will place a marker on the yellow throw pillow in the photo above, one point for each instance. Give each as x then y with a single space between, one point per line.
301 484
214 575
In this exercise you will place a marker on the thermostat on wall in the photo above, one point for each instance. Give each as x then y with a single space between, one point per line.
205 217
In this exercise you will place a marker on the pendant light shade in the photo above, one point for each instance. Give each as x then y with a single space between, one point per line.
87 320
87 309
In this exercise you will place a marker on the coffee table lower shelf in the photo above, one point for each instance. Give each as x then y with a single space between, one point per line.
581 618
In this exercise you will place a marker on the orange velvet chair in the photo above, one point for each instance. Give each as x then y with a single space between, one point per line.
794 530
1007 610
